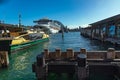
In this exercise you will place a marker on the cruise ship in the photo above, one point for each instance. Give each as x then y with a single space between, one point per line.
49 26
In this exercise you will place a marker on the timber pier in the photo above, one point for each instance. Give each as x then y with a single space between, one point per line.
5 43
84 65
104 30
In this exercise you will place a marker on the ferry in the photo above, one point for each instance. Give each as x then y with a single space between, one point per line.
49 26
27 40
15 38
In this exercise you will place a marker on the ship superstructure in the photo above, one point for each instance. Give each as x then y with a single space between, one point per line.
49 26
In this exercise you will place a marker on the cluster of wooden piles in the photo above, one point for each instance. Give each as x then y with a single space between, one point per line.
4 51
60 62
81 64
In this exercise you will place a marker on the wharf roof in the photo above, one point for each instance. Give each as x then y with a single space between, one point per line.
2 26
10 27
110 19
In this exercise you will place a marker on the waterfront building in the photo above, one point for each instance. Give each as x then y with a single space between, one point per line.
107 29
110 27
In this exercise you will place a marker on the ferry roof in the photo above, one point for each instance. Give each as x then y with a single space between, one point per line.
42 20
110 19
48 20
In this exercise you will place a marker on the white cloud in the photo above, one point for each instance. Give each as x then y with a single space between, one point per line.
77 26
73 26
84 25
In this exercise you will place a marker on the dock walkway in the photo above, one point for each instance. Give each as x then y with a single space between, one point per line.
84 64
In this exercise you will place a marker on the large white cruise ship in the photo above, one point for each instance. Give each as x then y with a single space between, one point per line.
49 26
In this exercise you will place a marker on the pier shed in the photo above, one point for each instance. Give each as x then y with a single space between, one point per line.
106 30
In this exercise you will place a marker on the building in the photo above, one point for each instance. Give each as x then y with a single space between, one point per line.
107 29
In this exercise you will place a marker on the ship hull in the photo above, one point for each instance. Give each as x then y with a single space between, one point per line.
27 44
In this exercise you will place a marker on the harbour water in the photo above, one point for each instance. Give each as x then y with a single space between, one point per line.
20 67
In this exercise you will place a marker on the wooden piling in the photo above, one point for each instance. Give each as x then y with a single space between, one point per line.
78 63
40 60
39 67
58 53
46 53
82 73
82 66
4 59
111 53
5 43
40 73
70 53
81 59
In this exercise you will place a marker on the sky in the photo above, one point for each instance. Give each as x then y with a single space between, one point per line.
72 13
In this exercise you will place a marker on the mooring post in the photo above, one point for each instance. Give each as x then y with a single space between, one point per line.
82 67
70 53
40 60
5 43
46 53
111 53
4 59
81 58
58 53
62 32
40 67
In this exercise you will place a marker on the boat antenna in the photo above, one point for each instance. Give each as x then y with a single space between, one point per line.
19 20
20 26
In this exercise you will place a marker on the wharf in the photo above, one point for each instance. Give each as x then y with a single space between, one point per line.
5 43
106 30
84 65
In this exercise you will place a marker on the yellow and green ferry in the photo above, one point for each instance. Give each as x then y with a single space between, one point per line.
20 38
27 40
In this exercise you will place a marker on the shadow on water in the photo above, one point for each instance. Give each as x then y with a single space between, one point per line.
103 45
